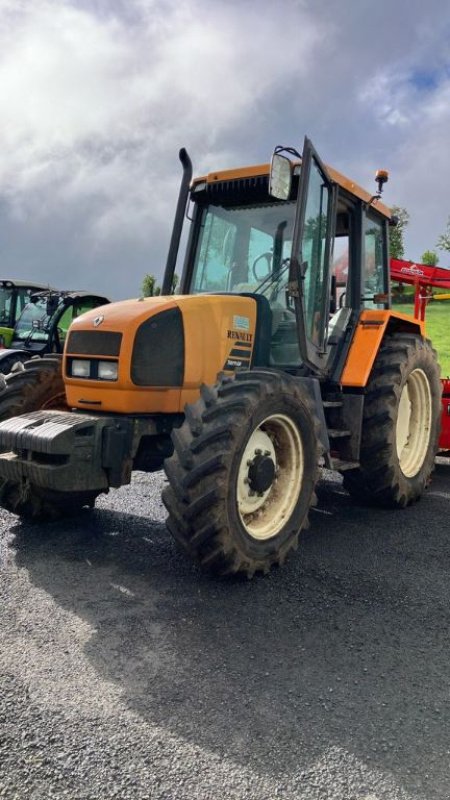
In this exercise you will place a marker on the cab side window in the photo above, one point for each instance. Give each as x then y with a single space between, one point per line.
214 260
64 323
83 306
23 297
69 315
6 306
372 273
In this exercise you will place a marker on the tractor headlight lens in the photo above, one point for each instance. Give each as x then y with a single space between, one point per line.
80 368
107 370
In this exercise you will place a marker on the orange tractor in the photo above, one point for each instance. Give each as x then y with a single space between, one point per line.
250 379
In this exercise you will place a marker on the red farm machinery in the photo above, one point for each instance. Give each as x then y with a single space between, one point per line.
425 279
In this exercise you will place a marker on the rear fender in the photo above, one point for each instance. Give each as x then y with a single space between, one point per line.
8 353
369 333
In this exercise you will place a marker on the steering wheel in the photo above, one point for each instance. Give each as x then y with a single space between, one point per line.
268 257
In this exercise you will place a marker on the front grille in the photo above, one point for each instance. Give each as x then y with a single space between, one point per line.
94 343
158 351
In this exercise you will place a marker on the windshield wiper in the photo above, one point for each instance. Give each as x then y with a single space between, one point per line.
274 280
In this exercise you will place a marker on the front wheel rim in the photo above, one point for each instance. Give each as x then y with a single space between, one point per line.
264 514
413 430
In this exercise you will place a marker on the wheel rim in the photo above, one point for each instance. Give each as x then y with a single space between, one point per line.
56 402
414 423
263 513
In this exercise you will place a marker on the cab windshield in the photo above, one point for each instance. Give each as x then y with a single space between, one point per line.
247 249
243 249
6 299
33 323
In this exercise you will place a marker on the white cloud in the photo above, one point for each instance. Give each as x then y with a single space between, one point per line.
97 107
422 175
384 94
415 98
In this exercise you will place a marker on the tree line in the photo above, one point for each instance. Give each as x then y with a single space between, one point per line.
396 240
150 287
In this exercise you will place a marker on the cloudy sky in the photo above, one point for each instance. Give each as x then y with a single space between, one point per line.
97 97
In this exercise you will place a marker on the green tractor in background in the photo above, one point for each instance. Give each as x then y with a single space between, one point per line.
41 328
30 368
14 296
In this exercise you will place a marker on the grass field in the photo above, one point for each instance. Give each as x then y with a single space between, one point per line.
438 329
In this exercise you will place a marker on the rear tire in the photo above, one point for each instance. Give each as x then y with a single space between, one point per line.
33 385
401 423
243 472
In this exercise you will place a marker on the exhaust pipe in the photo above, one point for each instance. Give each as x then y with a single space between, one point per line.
171 262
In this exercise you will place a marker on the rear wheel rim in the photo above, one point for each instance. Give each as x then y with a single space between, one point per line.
264 515
414 420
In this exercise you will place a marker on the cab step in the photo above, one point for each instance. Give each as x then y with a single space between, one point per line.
342 466
338 433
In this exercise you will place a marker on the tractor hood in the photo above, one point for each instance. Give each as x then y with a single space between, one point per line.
156 351
116 316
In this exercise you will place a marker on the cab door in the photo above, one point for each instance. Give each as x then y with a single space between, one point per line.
310 274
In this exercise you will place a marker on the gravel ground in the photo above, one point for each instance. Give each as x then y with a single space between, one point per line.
127 674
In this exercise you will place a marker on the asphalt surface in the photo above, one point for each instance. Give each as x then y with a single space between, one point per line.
125 673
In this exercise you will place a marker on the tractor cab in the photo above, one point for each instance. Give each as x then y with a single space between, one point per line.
313 255
14 295
42 327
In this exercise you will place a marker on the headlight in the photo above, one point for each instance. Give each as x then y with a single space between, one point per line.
107 370
80 368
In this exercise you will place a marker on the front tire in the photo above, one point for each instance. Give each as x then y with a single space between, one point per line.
243 472
401 423
38 505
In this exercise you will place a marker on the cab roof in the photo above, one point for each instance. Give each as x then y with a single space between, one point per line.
9 283
263 170
73 294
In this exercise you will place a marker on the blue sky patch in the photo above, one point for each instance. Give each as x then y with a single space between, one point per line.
425 80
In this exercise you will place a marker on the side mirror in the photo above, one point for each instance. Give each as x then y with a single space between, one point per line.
280 180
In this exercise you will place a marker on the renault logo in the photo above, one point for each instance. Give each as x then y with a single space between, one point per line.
98 320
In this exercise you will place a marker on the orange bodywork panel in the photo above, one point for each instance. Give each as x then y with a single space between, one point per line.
369 333
219 335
